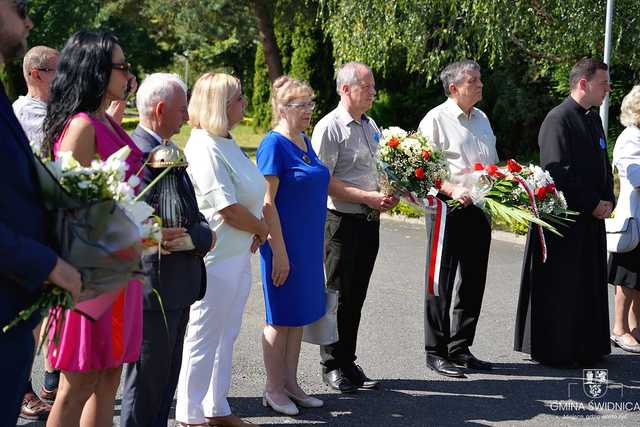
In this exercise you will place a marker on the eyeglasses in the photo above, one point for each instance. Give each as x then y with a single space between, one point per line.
125 66
309 106
21 8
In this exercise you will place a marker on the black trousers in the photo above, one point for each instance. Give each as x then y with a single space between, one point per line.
151 382
467 240
351 247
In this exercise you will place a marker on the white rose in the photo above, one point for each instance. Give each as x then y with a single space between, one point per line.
394 131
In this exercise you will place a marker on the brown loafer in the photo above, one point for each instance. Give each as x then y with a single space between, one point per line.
33 408
48 395
228 421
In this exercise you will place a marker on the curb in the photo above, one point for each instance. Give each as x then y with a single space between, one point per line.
503 236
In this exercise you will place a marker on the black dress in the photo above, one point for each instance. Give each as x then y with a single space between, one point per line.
562 315
624 269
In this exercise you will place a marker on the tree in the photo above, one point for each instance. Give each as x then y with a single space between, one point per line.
56 20
264 15
432 33
525 46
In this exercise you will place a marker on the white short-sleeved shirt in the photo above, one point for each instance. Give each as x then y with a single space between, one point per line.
31 113
465 140
222 175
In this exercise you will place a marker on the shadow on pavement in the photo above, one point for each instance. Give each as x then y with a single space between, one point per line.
478 400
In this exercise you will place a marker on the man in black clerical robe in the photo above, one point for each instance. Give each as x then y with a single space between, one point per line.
562 315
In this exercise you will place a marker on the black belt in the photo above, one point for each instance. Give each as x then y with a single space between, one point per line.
372 215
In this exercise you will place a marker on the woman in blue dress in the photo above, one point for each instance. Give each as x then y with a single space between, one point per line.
292 260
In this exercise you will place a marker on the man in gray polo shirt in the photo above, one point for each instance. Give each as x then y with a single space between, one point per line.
346 140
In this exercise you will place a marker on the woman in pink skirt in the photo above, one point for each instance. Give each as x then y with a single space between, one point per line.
91 73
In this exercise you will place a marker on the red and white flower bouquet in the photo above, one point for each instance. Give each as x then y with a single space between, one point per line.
517 194
411 168
408 165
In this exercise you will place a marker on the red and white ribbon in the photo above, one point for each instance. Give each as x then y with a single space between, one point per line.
438 209
532 201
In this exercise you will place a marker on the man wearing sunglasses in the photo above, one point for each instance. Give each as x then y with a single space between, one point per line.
39 68
26 263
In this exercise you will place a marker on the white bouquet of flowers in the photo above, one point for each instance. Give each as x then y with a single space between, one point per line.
98 225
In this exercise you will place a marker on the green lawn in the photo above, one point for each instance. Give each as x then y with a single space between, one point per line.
245 136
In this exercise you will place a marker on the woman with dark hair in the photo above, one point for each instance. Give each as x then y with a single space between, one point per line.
92 73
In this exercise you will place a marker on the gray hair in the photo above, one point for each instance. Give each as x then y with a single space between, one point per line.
37 57
454 73
347 74
157 87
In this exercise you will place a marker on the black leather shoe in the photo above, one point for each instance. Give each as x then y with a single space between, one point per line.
358 378
443 367
468 360
337 380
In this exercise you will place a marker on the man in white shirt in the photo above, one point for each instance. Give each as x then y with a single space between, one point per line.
465 135
39 68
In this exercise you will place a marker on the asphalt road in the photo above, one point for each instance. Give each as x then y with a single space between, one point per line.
517 392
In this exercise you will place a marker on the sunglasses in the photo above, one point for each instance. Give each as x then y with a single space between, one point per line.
45 70
21 8
125 66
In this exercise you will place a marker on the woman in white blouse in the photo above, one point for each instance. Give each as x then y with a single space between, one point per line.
230 192
624 268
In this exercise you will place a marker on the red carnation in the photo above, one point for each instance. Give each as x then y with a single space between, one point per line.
426 154
541 193
551 188
437 183
420 173
393 142
478 167
493 170
513 166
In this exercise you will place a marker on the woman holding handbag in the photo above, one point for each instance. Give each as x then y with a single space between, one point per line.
624 267
291 262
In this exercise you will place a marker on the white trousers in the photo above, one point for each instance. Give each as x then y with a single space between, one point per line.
214 324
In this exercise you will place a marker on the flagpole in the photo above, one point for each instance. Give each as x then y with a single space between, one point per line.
604 108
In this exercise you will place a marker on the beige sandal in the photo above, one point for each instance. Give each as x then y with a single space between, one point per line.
622 341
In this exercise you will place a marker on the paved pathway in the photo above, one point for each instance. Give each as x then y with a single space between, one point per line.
517 392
